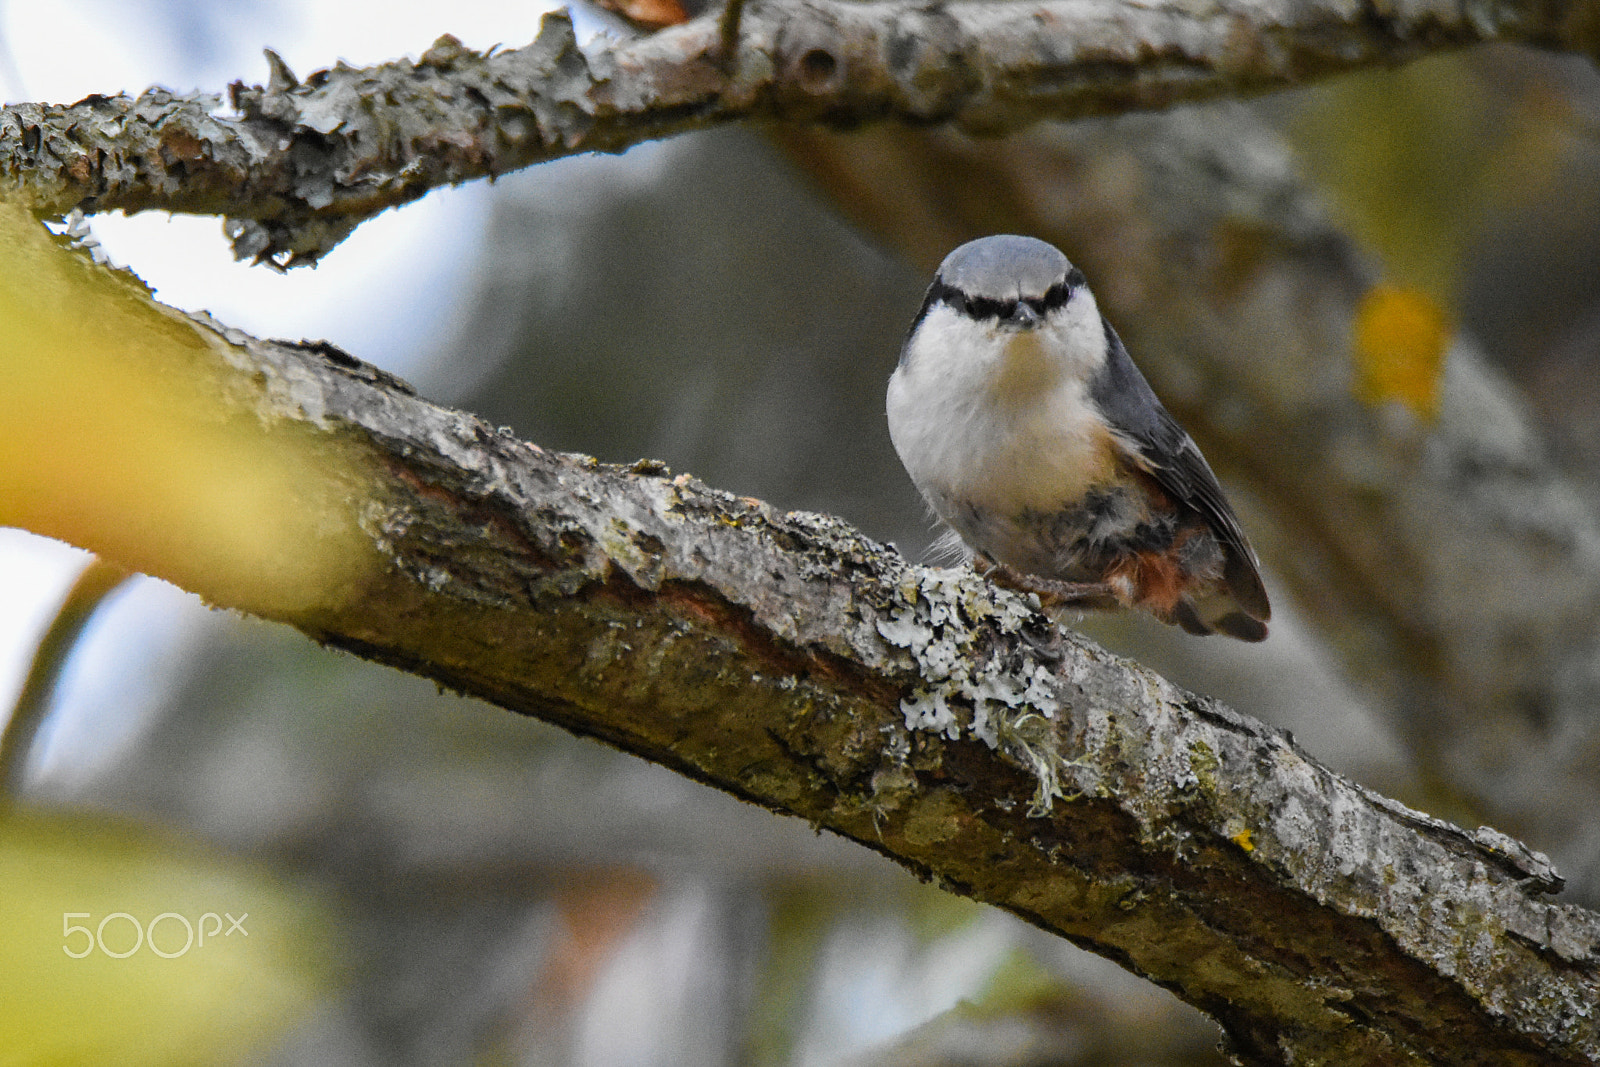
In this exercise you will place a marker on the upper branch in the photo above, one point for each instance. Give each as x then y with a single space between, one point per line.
297 165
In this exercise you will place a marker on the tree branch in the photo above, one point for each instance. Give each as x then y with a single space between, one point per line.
786 659
300 165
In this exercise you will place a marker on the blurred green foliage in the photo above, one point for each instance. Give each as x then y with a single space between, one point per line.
120 946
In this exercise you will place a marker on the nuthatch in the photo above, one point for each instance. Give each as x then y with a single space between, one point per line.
1020 417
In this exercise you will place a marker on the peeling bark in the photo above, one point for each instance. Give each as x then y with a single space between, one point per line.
296 166
792 662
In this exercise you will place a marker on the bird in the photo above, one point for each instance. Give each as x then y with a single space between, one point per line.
1022 420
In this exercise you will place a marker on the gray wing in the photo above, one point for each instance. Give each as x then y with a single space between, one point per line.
1170 456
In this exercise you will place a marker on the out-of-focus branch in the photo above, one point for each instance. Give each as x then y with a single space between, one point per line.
98 581
786 659
298 165
1453 566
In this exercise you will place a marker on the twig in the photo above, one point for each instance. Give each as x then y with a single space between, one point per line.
728 33
97 582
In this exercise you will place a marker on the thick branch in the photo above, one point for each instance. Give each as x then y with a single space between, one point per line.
301 164
788 660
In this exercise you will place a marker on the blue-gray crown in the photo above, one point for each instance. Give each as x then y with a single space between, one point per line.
1004 267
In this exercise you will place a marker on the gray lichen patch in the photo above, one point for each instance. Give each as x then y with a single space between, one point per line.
967 689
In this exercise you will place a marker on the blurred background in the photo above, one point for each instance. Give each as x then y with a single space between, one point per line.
1341 290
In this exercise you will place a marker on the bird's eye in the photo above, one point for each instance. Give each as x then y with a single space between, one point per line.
983 307
1059 293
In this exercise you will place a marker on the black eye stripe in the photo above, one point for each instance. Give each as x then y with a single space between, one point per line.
983 307
980 307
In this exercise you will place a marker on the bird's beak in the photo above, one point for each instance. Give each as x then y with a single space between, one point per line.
1021 317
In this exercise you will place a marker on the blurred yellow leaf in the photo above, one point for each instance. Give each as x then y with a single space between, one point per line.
123 947
112 437
1401 335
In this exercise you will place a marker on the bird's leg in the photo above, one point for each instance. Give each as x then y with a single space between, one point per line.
1051 592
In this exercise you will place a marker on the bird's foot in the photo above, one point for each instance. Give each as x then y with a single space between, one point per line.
1052 593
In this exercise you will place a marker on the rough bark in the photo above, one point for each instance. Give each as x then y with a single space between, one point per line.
792 662
297 165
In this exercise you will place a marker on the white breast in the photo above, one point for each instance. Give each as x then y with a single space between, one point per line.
989 418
